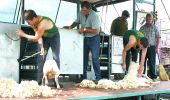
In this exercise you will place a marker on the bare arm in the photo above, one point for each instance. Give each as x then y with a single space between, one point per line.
157 44
40 42
141 67
88 30
127 47
38 33
41 29
157 32
93 31
29 37
71 26
144 50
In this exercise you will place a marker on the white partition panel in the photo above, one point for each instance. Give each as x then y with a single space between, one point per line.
9 51
117 68
117 42
117 49
71 52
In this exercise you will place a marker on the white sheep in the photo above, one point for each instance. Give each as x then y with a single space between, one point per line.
50 71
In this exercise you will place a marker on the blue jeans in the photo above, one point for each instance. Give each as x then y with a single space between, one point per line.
151 57
54 43
92 44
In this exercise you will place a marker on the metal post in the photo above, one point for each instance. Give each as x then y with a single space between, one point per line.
15 11
139 98
57 11
154 11
22 12
134 15
19 9
154 5
78 10
21 21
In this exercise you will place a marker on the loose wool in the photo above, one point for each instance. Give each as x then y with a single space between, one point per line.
130 81
26 89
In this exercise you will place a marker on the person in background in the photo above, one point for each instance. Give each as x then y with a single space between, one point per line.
118 28
46 34
120 25
151 32
132 41
90 27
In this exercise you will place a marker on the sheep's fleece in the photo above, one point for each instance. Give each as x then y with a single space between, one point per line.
130 81
9 88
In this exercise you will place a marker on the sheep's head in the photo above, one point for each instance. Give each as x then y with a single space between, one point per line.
51 75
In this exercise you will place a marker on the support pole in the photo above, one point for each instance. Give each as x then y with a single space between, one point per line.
134 15
57 11
78 10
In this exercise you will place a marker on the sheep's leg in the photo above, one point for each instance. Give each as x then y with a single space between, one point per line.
43 80
46 80
56 82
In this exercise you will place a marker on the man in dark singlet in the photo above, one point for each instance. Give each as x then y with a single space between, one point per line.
133 40
46 34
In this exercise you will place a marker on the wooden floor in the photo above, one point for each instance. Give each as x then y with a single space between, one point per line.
70 92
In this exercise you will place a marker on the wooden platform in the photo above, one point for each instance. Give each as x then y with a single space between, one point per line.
70 92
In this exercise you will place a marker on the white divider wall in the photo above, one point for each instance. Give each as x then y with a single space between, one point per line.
9 51
117 48
71 52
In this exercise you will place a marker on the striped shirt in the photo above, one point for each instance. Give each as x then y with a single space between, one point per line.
151 33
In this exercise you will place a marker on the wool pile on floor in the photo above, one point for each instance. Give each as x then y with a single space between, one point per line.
130 81
26 89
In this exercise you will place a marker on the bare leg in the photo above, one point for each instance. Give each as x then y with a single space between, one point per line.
56 82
